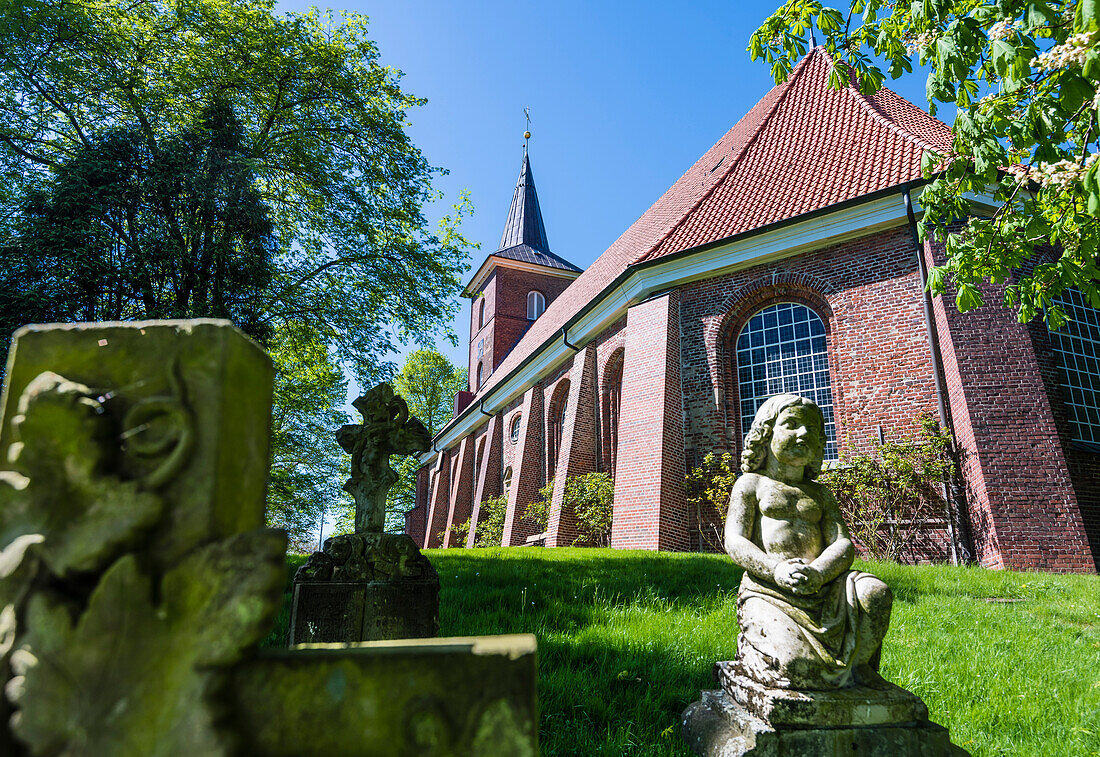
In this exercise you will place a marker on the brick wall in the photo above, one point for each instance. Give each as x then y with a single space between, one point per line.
650 508
1023 509
577 454
866 291
527 475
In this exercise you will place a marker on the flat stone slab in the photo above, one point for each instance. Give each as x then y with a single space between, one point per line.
718 726
880 704
451 696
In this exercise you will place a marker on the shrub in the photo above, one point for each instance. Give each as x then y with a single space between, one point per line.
538 511
490 524
460 530
590 497
889 495
708 491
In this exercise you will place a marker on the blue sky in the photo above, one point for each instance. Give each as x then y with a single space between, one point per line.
624 97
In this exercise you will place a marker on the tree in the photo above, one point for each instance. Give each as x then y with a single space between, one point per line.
115 119
322 128
308 468
1023 75
428 382
120 232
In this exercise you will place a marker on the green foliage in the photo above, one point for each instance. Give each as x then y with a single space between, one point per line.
1023 76
307 465
460 532
121 231
323 132
538 511
708 490
590 496
889 494
428 382
214 158
490 524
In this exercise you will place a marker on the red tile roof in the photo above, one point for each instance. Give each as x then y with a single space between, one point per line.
803 147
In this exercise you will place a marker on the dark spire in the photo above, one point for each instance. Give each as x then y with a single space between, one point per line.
524 225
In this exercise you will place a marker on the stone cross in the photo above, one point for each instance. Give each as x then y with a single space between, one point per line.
386 430
137 577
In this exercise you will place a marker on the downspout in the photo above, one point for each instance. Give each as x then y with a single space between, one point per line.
956 498
565 339
481 407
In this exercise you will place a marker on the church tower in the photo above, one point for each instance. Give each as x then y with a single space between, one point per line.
515 284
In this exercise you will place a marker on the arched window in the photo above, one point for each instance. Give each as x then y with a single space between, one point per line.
782 350
480 375
613 382
1077 347
507 483
556 419
481 313
513 431
536 303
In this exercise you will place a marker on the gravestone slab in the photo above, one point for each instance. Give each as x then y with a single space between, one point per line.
339 611
365 587
136 566
369 585
414 698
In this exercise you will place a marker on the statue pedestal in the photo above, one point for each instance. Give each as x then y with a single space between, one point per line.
745 718
365 587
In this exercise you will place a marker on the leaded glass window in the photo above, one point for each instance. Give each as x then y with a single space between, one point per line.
1077 346
782 350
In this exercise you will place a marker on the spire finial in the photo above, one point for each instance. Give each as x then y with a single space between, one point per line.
527 131
813 39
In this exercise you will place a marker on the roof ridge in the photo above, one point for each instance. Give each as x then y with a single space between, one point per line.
875 113
733 163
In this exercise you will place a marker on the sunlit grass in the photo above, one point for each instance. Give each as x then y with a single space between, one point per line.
628 639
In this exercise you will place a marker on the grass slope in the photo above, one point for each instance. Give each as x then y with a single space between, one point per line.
628 639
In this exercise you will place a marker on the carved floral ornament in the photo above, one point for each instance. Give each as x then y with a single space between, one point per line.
84 491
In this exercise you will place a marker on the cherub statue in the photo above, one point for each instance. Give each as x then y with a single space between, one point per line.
807 620
386 430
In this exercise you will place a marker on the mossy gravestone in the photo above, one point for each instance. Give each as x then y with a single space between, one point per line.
369 585
137 578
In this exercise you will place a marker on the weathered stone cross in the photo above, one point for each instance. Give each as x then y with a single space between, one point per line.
386 430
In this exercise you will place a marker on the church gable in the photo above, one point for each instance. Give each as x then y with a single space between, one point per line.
801 148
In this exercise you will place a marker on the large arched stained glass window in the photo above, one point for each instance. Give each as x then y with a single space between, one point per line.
1077 346
782 350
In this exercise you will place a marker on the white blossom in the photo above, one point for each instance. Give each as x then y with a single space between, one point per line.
922 41
1060 175
1071 53
1001 29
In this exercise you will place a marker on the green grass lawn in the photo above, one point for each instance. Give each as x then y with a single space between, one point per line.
1009 662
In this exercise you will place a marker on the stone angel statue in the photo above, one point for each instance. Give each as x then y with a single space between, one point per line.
808 621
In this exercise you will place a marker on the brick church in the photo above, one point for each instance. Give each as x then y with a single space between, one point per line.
784 260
